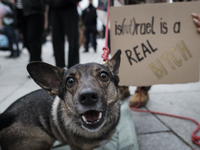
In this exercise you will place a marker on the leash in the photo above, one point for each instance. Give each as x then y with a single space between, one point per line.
106 50
195 138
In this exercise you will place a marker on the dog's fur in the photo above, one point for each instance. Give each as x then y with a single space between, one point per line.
36 120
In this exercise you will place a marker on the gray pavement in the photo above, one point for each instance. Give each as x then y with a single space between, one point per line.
154 132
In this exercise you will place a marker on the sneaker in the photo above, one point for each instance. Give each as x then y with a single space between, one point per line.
134 100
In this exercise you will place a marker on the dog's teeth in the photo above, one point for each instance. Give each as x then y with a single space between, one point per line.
84 119
87 122
100 115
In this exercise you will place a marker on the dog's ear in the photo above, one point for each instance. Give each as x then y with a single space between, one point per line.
114 62
47 76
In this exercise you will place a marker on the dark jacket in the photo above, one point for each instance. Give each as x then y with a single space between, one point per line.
62 4
89 16
31 7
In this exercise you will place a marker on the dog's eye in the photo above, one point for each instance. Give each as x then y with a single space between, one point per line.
104 76
70 81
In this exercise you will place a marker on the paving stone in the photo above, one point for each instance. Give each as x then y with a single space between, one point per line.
183 104
161 141
5 91
147 123
24 89
13 77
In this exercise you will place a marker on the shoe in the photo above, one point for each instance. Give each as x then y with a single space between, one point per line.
85 51
134 100
125 92
15 55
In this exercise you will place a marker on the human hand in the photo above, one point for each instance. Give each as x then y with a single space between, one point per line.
196 19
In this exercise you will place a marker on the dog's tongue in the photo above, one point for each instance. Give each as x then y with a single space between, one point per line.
91 116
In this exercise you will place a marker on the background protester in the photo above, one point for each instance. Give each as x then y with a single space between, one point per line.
89 18
33 28
7 26
64 21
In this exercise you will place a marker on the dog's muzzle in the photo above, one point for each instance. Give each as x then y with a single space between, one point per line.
92 118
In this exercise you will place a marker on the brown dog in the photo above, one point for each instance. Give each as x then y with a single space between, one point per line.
83 114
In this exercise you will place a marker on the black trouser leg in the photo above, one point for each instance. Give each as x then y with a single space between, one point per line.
7 32
73 39
94 34
34 33
58 40
87 38
65 22
13 40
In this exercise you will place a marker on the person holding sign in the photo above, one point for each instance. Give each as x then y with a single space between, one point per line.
144 90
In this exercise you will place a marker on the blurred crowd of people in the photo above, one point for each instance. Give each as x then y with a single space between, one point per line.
22 20
30 21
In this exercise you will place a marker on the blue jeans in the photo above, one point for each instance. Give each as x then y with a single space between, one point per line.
10 32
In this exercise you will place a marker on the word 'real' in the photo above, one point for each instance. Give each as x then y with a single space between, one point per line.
146 48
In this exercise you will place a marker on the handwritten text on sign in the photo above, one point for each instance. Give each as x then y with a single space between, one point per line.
135 28
159 44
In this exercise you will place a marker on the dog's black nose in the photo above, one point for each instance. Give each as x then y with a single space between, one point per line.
88 96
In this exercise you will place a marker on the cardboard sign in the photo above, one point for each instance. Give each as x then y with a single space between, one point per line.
159 43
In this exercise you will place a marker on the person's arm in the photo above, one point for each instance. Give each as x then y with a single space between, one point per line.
196 19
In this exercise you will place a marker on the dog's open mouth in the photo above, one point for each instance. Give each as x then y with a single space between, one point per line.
93 120
92 116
